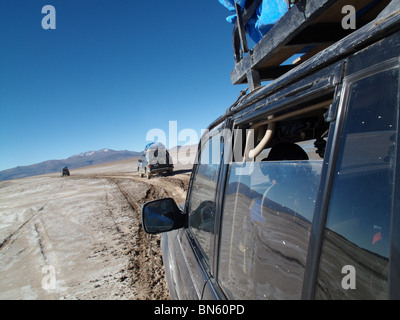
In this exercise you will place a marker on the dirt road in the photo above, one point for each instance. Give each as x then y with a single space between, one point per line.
80 237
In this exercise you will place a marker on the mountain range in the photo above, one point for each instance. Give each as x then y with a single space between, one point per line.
73 162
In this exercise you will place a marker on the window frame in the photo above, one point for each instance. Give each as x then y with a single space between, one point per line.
331 89
333 148
319 84
207 266
381 51
350 81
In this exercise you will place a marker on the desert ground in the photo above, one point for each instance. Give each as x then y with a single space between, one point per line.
80 237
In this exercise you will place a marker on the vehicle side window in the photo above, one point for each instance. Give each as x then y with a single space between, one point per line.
267 215
201 207
355 253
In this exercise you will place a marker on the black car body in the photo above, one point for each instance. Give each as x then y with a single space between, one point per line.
155 160
310 209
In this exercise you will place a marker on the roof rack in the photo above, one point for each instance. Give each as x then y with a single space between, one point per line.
308 27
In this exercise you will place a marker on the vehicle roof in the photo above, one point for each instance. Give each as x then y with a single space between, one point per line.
386 23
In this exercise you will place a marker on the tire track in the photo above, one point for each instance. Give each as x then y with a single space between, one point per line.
44 243
146 265
147 272
10 239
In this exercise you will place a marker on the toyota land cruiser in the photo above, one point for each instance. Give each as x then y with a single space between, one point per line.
155 160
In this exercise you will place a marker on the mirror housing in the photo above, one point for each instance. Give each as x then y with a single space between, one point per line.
161 215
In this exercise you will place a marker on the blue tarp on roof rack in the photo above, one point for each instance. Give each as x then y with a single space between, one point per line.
267 14
154 145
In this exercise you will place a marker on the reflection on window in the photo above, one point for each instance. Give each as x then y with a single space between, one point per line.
358 224
202 196
266 223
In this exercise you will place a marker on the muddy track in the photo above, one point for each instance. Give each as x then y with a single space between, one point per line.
158 187
87 227
145 268
146 263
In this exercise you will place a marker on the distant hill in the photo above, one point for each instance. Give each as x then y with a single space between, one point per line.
73 162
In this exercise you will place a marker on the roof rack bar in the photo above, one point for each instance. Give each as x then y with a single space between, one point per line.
241 29
253 79
246 14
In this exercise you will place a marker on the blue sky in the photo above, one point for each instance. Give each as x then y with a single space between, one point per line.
111 71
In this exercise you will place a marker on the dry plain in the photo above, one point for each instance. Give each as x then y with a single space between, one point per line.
80 237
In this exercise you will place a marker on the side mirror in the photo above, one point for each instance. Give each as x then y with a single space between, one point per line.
161 216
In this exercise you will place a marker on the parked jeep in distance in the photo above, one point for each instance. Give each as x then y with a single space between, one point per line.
155 160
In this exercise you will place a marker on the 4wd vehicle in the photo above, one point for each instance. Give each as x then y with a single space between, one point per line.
65 172
155 160
302 199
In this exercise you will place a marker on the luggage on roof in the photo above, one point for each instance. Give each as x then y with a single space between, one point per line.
267 14
288 32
